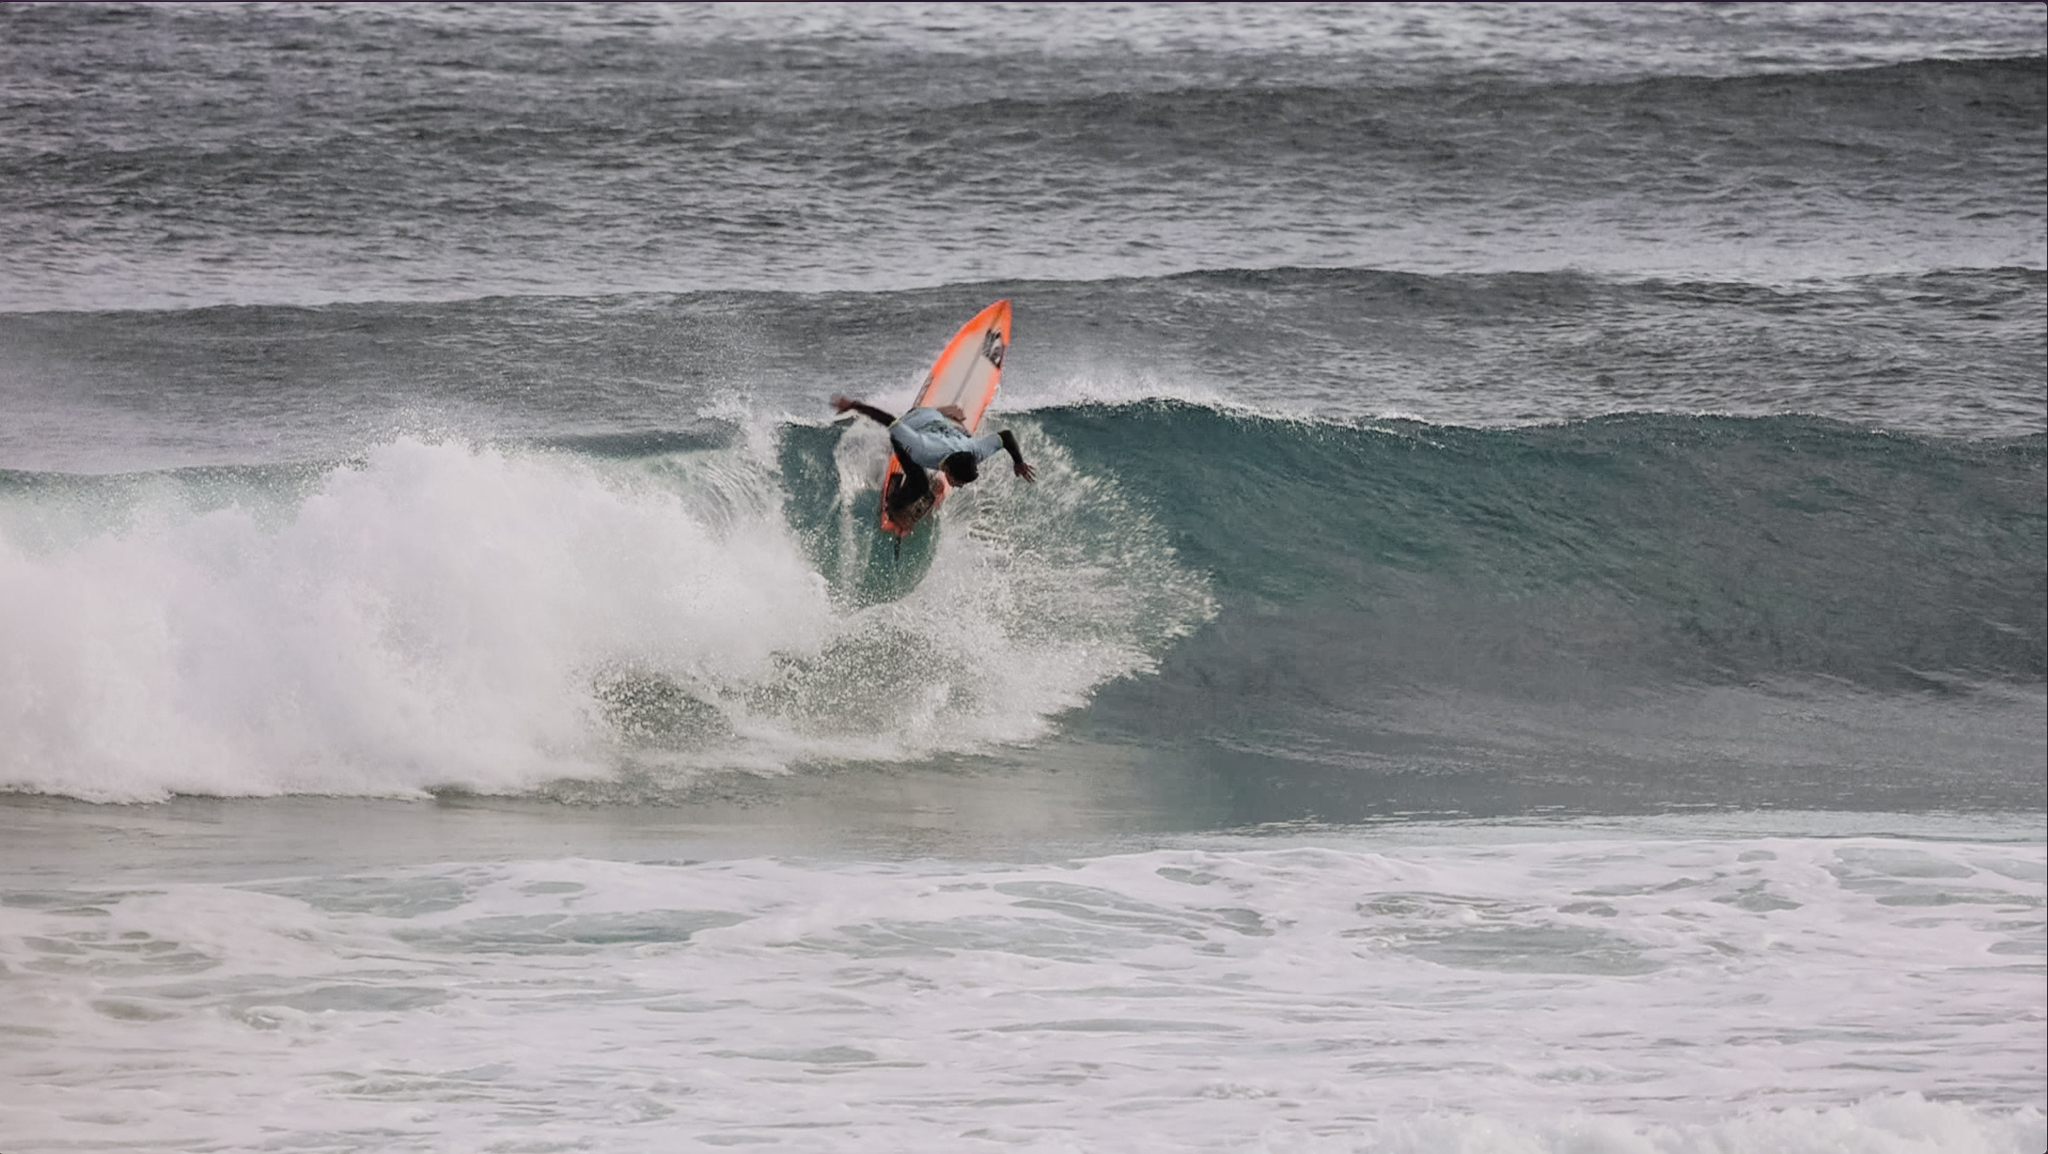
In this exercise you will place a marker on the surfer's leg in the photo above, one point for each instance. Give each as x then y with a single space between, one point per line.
915 485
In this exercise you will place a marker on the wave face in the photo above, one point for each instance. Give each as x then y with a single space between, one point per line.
1688 548
1635 606
640 610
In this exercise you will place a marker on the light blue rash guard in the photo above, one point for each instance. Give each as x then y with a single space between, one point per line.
928 437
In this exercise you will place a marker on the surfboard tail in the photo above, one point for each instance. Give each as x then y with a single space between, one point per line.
900 521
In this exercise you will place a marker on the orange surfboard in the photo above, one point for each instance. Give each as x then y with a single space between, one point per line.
967 374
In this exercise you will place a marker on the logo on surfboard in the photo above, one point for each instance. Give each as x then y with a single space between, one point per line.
992 347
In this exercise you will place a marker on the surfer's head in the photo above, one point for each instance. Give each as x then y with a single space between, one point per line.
961 467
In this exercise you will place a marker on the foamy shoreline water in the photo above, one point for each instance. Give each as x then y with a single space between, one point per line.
1307 992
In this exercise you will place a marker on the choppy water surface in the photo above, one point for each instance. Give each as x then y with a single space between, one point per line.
1530 633
1642 986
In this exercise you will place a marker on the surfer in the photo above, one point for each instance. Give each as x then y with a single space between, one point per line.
928 438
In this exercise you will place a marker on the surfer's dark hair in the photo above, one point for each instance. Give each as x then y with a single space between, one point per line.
962 467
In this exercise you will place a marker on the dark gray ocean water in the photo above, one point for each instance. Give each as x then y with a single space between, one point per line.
1542 520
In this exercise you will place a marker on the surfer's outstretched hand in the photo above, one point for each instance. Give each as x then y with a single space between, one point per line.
841 403
1017 456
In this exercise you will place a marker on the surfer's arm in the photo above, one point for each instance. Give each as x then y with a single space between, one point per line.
1017 456
843 403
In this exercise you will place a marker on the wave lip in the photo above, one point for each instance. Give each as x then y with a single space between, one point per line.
1954 352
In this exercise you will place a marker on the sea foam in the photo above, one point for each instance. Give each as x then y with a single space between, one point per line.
1616 994
442 615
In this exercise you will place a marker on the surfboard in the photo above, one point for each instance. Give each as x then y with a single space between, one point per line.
967 374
